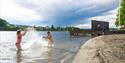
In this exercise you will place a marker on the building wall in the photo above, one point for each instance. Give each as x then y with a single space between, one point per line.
99 25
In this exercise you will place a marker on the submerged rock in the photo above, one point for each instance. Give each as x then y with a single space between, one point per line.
102 49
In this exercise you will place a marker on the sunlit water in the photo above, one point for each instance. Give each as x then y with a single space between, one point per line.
63 51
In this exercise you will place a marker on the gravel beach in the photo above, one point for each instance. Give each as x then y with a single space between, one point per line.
102 49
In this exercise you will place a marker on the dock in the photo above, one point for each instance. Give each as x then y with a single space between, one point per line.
97 28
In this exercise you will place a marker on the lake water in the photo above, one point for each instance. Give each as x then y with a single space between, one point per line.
63 51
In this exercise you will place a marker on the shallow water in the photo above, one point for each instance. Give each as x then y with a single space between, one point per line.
63 51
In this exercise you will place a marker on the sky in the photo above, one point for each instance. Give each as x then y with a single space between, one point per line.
78 13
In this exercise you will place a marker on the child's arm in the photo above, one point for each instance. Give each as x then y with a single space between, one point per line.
45 37
24 33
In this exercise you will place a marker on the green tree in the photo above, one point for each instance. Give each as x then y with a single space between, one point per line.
3 23
120 21
52 27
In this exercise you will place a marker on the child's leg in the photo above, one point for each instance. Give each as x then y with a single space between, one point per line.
51 44
18 46
48 44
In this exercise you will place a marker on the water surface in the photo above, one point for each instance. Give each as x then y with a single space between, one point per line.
63 51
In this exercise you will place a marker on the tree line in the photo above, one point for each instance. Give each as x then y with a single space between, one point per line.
5 26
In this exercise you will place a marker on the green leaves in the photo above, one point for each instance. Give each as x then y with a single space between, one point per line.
120 21
3 23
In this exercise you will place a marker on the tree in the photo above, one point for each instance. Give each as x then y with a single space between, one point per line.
52 27
120 21
3 23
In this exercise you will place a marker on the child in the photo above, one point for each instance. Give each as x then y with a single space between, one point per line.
19 38
49 37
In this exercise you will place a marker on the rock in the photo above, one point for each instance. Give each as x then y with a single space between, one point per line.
102 49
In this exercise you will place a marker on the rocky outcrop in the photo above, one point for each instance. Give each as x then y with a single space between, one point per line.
102 49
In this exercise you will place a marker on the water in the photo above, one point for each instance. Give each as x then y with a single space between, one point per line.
63 50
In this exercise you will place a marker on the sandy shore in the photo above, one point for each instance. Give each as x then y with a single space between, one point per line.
102 49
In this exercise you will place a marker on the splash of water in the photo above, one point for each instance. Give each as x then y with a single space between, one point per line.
34 41
35 46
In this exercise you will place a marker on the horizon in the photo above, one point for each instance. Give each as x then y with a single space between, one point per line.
59 13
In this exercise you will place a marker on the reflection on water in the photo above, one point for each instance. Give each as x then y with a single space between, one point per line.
50 56
18 56
63 51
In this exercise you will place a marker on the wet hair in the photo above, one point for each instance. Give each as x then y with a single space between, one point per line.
48 32
18 32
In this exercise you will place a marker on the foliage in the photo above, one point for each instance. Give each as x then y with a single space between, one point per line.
120 21
5 26
3 23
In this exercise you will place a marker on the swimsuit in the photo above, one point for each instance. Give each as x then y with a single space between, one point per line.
19 38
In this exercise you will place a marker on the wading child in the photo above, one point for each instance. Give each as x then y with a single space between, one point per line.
49 38
19 38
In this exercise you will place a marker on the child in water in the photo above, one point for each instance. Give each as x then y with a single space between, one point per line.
50 41
19 38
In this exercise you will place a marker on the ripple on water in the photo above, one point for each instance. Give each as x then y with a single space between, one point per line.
64 49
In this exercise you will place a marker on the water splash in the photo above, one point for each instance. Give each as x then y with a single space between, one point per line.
35 46
34 41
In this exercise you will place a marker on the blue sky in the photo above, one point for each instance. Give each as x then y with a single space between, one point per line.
78 13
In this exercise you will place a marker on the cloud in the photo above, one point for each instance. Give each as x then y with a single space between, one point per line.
84 26
15 13
109 16
62 12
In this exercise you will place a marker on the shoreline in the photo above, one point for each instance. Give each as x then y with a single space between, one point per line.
102 49
70 58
